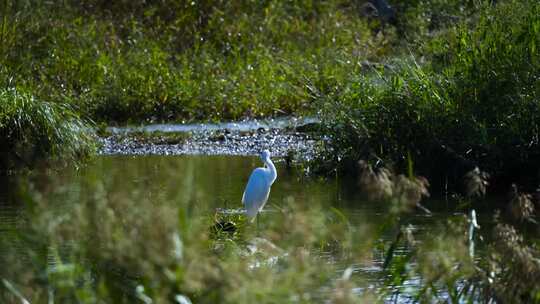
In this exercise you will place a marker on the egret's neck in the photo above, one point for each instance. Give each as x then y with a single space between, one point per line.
272 168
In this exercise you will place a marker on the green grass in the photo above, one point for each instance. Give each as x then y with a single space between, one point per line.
32 130
139 61
465 92
178 61
447 77
474 102
203 60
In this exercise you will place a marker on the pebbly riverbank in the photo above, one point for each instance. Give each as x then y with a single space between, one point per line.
281 136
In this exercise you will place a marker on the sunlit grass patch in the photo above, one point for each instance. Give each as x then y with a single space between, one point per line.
219 61
31 130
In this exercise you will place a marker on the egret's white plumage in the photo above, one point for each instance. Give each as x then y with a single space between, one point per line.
258 186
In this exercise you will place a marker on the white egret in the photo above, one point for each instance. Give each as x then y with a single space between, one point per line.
258 186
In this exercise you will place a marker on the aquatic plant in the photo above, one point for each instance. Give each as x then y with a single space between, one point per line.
446 264
381 184
514 267
521 206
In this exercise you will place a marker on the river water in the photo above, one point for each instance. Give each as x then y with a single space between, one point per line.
208 183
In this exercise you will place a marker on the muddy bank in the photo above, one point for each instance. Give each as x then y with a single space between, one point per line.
281 137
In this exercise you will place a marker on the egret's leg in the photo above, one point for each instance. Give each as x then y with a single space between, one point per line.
257 223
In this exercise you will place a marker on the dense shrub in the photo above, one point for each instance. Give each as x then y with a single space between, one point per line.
476 103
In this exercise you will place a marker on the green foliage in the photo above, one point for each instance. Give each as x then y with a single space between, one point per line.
201 60
182 60
477 98
420 19
32 130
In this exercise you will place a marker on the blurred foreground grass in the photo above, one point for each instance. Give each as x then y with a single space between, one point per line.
83 242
